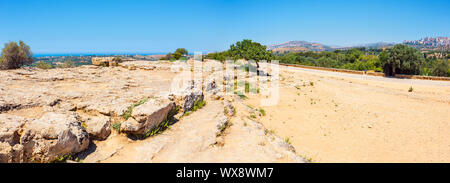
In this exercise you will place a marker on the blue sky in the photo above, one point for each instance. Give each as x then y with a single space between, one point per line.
132 26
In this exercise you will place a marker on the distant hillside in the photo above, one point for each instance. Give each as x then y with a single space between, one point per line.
298 46
377 45
424 44
303 46
430 43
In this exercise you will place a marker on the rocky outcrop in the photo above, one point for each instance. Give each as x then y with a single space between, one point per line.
64 110
10 128
147 116
98 127
41 140
186 98
11 154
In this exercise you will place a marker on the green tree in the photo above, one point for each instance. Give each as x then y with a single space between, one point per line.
440 68
182 51
169 56
249 50
15 55
220 56
403 59
177 55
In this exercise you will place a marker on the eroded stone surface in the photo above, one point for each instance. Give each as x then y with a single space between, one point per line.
78 106
98 127
147 116
53 135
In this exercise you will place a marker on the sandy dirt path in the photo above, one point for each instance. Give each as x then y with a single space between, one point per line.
335 117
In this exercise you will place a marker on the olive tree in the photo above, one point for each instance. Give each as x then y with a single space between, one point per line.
403 59
15 55
182 51
249 50
441 68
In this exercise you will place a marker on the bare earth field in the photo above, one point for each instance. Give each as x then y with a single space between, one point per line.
354 118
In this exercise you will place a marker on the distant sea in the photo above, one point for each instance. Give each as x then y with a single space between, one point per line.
91 54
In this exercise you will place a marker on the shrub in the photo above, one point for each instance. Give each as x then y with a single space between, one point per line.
117 59
15 55
43 65
67 64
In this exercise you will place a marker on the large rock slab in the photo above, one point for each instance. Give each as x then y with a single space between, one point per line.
52 136
98 127
147 116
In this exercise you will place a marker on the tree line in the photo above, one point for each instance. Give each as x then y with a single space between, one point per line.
400 59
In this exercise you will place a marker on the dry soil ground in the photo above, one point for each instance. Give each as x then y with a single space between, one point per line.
335 117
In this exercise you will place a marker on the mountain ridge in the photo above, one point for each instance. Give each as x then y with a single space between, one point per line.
302 46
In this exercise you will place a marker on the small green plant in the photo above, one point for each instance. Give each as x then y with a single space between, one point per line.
267 131
129 111
253 116
187 113
309 159
247 87
116 126
411 89
287 140
241 95
223 128
311 83
262 111
65 158
198 104
84 125
162 126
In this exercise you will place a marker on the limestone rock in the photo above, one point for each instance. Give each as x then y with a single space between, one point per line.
229 109
51 136
147 116
10 126
187 99
98 127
